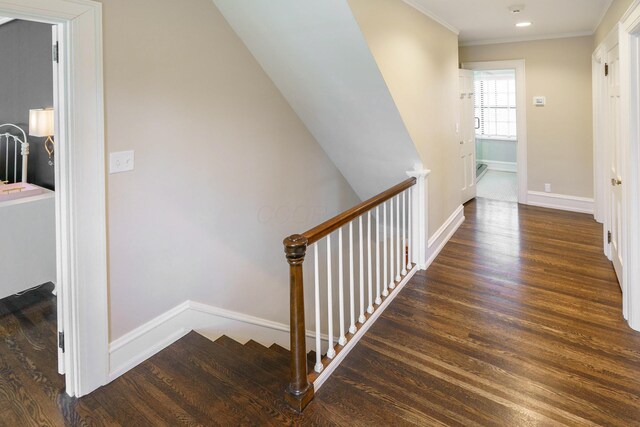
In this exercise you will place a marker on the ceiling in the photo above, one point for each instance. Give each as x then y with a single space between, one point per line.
490 21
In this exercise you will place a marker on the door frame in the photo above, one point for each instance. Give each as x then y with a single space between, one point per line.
629 44
521 115
81 238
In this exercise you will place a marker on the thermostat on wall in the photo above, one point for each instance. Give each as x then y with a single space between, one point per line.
539 101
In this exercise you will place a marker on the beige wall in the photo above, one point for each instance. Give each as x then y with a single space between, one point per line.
559 136
611 18
418 59
224 168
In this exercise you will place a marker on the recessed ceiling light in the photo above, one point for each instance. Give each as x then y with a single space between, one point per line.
523 24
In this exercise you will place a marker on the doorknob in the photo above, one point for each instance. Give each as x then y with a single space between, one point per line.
616 181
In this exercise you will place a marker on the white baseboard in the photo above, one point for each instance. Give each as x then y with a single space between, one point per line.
494 165
140 344
444 233
560 201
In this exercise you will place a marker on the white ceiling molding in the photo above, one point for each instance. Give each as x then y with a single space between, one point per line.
433 16
526 39
493 21
602 15
5 20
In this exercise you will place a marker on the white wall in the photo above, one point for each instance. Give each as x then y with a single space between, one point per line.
559 135
418 59
316 54
224 167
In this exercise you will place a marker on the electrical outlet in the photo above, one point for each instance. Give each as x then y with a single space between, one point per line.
547 188
121 161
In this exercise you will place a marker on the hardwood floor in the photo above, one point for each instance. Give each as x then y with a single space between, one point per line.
516 323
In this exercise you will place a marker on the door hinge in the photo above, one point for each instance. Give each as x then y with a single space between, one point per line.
606 70
61 341
56 53
609 237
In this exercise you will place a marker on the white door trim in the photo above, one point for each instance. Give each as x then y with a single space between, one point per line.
629 45
599 150
80 186
521 115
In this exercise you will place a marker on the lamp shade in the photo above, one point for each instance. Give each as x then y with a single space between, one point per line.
41 122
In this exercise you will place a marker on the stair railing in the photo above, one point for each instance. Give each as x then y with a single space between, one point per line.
390 246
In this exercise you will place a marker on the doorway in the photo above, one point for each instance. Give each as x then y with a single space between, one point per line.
28 271
496 134
80 226
500 129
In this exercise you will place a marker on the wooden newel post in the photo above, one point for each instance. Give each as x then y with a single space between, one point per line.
300 391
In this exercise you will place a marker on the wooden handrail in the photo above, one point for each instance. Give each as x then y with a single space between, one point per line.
300 390
344 218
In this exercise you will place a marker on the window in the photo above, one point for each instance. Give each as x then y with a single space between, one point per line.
495 104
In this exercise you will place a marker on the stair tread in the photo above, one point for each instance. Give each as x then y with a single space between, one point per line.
237 367
276 365
224 395
280 350
229 343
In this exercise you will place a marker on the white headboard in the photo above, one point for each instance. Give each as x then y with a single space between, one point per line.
5 141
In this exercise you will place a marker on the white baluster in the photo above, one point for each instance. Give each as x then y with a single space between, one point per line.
398 241
410 237
369 275
318 367
404 232
378 299
330 351
362 318
342 340
352 327
392 254
385 255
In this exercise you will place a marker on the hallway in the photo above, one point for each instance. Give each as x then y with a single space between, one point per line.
517 322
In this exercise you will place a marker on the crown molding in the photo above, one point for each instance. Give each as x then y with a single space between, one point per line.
526 39
632 7
420 8
603 14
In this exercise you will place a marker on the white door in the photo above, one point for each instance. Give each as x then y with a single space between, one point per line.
615 160
467 136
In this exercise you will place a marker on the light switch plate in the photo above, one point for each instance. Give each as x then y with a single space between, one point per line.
539 101
121 161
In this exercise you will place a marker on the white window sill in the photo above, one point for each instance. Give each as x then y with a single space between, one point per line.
497 138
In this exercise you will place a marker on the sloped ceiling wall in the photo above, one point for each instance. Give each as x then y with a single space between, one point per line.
318 58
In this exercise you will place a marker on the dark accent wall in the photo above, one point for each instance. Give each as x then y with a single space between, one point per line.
26 82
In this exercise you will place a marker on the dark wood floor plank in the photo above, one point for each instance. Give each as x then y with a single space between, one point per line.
516 322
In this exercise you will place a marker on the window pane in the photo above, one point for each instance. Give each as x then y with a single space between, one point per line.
490 128
503 129
495 104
